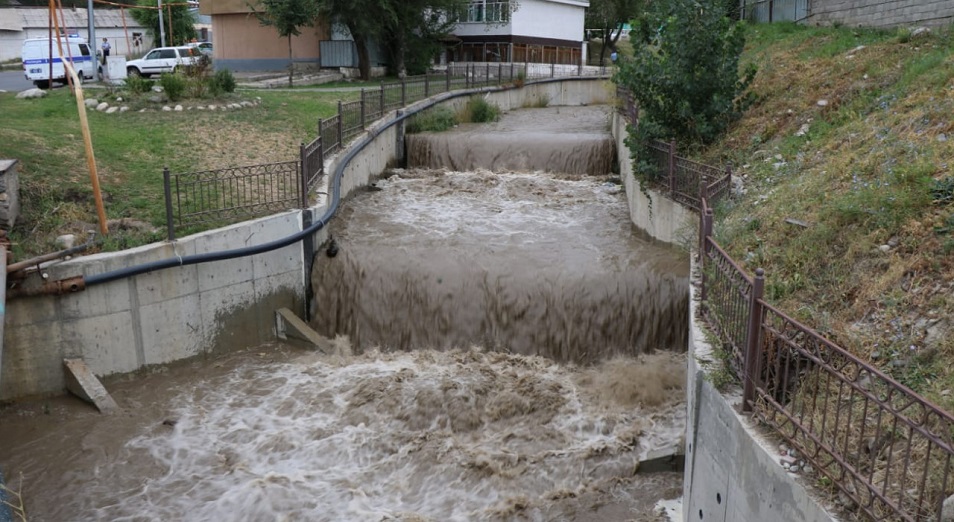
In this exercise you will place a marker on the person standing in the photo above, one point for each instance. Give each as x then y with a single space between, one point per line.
106 48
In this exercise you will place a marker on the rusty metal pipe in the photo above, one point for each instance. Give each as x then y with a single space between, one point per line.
69 285
52 256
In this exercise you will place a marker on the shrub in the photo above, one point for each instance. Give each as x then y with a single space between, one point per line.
222 81
433 120
174 85
137 84
478 110
685 73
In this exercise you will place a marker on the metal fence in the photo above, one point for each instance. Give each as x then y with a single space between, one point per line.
865 435
225 195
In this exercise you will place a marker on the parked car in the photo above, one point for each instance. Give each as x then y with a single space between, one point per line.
203 47
162 60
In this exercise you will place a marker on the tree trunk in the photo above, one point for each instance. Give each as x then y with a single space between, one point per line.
291 63
364 55
400 66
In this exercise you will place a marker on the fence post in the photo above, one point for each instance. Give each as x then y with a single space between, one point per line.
403 92
672 169
448 79
319 128
728 176
303 174
703 210
705 232
552 68
427 86
499 73
382 100
362 108
340 127
753 342
167 188
511 67
487 74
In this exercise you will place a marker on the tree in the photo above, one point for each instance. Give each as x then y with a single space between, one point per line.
686 77
288 17
607 17
176 15
414 29
363 19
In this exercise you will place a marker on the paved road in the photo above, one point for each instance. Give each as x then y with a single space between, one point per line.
14 81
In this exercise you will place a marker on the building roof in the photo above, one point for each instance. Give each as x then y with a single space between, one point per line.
20 18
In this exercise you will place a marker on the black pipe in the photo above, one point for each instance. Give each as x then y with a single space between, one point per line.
320 223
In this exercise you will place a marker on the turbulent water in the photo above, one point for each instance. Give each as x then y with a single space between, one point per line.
529 263
567 140
278 434
497 357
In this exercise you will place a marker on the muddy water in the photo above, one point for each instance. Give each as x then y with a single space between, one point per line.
284 434
514 277
528 263
568 140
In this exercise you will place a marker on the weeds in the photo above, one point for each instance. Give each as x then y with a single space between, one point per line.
137 84
13 500
437 119
174 85
479 110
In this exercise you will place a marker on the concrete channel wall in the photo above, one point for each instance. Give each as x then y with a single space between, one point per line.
185 312
733 473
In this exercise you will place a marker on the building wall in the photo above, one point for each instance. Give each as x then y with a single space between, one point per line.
535 19
242 43
881 13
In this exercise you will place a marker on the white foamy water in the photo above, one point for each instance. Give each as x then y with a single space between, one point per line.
460 435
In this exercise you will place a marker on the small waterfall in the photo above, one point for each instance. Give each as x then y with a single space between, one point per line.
579 143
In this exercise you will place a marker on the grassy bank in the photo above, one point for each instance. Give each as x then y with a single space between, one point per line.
131 149
846 162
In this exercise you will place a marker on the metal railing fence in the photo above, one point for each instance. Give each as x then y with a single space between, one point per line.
225 195
886 448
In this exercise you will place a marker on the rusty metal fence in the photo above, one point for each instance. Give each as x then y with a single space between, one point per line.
860 432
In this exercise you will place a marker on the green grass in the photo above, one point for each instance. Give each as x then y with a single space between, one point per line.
437 119
871 172
131 150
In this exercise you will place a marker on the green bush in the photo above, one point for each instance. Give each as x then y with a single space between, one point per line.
174 85
433 120
478 110
222 81
137 84
685 73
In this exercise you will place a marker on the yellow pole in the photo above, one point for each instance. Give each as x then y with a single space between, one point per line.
88 141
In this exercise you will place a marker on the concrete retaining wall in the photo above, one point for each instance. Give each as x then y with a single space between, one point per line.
733 473
184 312
882 13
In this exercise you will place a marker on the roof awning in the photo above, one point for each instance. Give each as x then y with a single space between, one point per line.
10 20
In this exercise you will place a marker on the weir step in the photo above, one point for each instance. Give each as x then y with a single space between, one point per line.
656 461
81 382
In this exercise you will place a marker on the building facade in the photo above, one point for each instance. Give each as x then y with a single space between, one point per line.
242 43
536 31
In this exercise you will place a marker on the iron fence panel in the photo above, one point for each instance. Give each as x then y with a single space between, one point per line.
313 163
351 124
726 308
882 445
221 194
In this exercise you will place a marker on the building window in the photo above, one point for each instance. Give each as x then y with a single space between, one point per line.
487 11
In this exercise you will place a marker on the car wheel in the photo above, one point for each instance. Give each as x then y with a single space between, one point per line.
132 71
42 84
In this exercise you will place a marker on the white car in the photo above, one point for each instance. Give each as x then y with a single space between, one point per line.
162 60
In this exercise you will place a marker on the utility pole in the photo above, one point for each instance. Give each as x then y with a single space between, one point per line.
162 31
91 26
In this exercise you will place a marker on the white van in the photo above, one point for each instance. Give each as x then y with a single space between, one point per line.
36 59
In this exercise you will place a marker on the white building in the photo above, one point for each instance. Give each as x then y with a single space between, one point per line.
540 31
19 23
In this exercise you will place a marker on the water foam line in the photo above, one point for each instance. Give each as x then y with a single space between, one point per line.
320 223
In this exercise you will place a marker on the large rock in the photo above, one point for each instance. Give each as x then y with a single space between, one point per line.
9 193
32 93
947 510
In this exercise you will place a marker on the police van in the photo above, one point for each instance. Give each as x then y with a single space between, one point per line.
36 59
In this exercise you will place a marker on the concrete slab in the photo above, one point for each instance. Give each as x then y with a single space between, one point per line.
81 382
290 326
668 459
